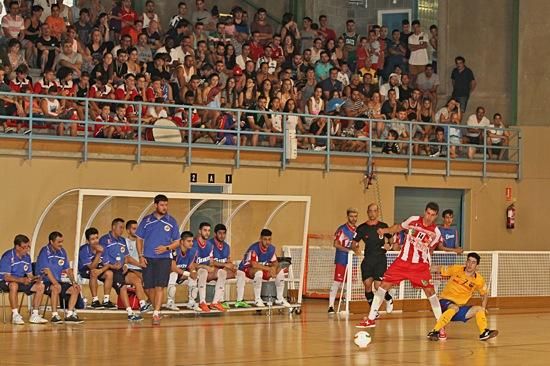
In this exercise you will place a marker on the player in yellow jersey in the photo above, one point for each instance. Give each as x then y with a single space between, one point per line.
463 282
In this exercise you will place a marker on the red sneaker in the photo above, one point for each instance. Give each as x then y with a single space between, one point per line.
217 306
366 323
204 308
442 334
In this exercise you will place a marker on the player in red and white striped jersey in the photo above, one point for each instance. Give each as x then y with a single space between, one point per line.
413 261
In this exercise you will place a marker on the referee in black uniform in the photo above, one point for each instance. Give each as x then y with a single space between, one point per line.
374 263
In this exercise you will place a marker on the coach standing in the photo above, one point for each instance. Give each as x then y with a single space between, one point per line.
157 236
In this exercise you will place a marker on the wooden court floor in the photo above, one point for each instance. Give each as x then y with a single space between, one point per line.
312 338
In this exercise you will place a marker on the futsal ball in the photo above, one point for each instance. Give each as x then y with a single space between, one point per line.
362 339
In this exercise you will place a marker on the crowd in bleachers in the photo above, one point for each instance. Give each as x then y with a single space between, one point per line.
236 60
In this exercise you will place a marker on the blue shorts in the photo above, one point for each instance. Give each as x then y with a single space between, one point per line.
460 316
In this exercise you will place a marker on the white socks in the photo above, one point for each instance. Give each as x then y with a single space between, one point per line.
436 306
172 287
333 292
241 281
378 299
280 284
202 276
220 286
193 290
257 281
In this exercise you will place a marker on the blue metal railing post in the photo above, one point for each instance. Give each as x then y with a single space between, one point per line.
448 159
140 130
285 143
29 148
369 153
238 153
328 143
189 134
86 131
410 150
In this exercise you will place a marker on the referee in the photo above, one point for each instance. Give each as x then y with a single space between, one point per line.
157 235
374 263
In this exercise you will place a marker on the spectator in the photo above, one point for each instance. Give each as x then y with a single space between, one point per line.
150 15
398 124
47 8
15 56
375 51
392 84
405 32
418 46
13 25
289 27
289 47
308 34
444 114
455 134
260 25
32 33
497 137
48 48
391 146
70 59
53 109
351 41
56 22
179 17
464 82
323 67
390 105
405 91
428 82
476 135
84 26
362 53
331 84
256 48
396 53
324 31
200 14
437 147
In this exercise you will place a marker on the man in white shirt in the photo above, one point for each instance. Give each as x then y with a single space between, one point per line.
13 24
272 64
476 136
393 83
497 136
418 45
243 58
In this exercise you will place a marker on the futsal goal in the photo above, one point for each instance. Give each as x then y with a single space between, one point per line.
244 215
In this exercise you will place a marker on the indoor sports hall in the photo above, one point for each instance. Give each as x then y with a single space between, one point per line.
299 182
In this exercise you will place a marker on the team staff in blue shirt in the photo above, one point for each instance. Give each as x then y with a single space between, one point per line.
16 276
53 265
157 236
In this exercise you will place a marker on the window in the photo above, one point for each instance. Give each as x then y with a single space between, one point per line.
213 212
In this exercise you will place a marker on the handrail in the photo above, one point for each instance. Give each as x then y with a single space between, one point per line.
282 138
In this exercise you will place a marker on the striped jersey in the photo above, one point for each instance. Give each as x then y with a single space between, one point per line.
419 240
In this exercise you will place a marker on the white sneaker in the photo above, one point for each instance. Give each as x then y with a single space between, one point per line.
283 302
259 303
389 306
17 319
172 306
37 319
191 305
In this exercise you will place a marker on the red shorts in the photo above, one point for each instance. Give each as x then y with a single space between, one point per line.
418 273
339 272
249 274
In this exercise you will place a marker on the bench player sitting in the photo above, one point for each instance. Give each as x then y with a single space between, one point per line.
184 272
260 263
16 276
116 253
463 282
203 261
91 267
222 261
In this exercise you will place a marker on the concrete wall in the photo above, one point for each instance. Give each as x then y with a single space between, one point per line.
534 73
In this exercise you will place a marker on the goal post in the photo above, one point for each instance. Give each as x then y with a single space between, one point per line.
243 214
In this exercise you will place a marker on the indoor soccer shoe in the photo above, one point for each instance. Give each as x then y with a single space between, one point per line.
389 306
134 317
242 304
204 308
37 319
433 335
156 320
217 306
172 306
146 308
366 323
331 310
17 319
73 319
259 303
488 334
96 305
109 305
442 334
226 305
56 319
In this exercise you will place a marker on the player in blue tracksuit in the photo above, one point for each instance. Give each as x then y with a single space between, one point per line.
184 271
343 244
225 269
260 263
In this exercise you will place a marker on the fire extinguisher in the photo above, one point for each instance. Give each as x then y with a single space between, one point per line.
510 217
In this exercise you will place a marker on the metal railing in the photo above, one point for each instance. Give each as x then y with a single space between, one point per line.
239 136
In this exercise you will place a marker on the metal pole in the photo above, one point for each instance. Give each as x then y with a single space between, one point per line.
29 149
329 129
86 116
138 157
238 154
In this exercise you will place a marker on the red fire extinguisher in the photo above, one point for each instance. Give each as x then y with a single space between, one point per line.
510 217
